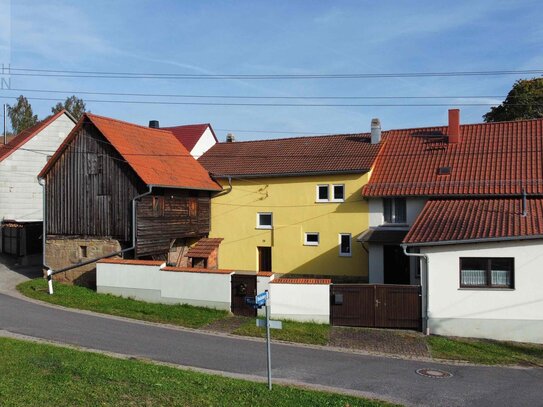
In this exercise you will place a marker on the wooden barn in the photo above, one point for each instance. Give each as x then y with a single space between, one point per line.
116 187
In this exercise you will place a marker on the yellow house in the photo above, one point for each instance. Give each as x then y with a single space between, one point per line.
292 206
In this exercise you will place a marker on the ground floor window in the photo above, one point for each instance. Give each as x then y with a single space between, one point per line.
311 239
344 244
484 272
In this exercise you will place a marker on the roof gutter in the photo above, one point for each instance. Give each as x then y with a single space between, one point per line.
227 191
424 286
182 187
480 240
51 273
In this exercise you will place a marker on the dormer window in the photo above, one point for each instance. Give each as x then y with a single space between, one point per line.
444 171
394 210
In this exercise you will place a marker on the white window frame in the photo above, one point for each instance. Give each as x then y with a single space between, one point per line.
260 226
342 254
394 202
317 198
308 243
334 199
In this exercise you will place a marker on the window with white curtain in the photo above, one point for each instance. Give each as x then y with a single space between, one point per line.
484 272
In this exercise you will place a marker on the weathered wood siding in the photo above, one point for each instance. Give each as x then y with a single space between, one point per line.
90 188
170 214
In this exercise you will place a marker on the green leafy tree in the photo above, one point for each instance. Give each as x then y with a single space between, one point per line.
75 106
524 101
21 115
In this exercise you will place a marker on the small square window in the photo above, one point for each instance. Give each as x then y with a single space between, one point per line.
322 193
345 244
264 220
83 252
339 193
311 239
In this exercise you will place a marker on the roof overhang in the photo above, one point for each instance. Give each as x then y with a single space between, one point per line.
184 187
480 240
382 236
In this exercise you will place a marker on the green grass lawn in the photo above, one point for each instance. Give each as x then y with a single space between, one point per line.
486 351
301 332
44 375
84 298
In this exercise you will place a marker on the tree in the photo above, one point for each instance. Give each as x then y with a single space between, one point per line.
21 115
524 101
75 106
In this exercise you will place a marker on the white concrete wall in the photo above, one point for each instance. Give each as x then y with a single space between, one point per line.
263 284
20 193
503 314
205 142
300 302
152 284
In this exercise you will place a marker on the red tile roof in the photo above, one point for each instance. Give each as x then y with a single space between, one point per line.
131 262
189 134
204 247
197 270
477 219
26 135
347 153
301 281
156 156
490 159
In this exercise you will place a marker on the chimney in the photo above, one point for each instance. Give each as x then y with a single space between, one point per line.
375 131
230 138
454 126
154 124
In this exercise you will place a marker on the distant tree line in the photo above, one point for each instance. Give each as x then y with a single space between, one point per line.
22 117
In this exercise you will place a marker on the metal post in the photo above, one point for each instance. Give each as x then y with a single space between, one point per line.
50 280
268 343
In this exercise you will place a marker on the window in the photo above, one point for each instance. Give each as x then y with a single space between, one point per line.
344 244
158 206
478 272
322 193
338 193
394 210
264 220
311 239
83 251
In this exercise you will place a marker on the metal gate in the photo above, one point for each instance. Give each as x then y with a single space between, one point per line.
243 286
376 306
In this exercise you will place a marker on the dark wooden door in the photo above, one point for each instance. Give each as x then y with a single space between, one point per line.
264 259
395 265
243 286
376 306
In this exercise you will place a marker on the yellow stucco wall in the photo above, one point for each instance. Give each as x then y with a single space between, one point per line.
292 200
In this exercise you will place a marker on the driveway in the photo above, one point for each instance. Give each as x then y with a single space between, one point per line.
12 274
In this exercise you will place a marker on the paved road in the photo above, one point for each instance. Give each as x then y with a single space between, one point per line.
384 377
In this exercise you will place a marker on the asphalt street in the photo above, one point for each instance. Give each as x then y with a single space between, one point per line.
388 378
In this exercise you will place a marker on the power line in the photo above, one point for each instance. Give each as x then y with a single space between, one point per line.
151 75
250 97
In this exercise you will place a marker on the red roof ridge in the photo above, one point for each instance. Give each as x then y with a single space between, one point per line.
186 125
297 138
91 115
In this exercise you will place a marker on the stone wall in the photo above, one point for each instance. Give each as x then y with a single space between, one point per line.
60 253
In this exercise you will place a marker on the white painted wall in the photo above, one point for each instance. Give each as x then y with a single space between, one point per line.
20 193
413 208
300 302
503 314
205 142
263 284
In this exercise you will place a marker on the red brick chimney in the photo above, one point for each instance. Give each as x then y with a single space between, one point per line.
454 126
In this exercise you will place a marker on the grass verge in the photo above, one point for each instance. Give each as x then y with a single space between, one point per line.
485 351
301 332
84 298
44 375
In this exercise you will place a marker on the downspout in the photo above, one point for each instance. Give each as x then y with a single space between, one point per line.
425 327
225 192
51 273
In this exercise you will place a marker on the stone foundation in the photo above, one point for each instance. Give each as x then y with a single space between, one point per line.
60 253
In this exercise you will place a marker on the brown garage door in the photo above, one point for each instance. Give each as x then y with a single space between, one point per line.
378 306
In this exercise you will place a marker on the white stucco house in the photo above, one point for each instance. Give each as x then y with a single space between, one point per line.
20 162
197 138
458 209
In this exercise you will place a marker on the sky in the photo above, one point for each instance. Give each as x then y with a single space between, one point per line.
305 37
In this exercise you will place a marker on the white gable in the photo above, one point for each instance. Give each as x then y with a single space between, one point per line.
206 141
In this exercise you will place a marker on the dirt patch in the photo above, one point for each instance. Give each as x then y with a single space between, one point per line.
398 342
227 325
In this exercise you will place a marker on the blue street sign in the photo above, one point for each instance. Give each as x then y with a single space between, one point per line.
261 298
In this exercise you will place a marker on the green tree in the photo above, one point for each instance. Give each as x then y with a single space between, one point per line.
21 115
524 101
75 106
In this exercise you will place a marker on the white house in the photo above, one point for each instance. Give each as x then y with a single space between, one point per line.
20 162
197 138
457 209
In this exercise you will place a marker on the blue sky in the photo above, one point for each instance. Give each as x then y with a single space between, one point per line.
279 37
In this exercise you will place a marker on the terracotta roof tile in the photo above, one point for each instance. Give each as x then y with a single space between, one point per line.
301 281
197 270
131 262
490 159
156 156
189 134
204 247
476 219
20 139
317 154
